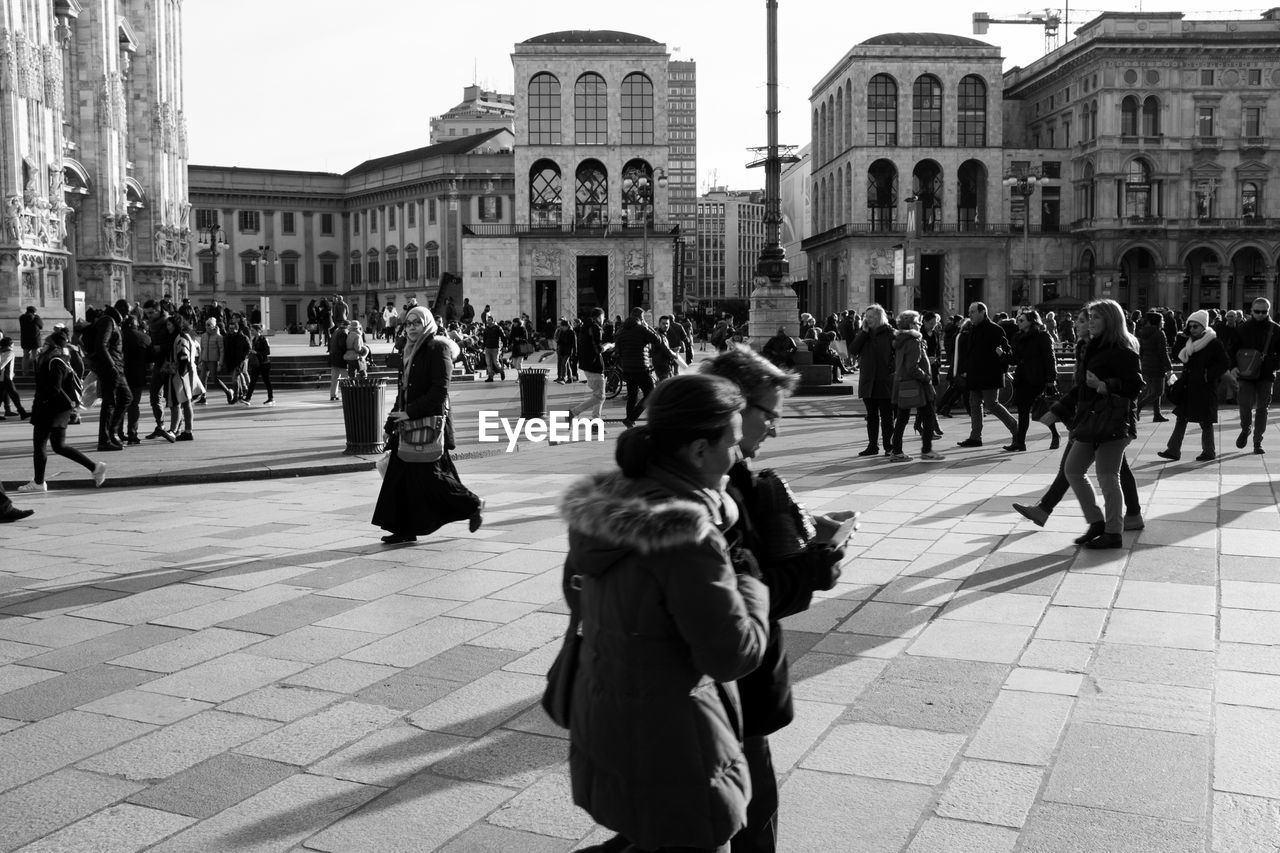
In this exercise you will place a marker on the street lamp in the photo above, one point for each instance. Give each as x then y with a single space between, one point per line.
211 238
1024 183
267 258
637 187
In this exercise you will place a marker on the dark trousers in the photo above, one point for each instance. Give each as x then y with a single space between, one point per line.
879 421
9 395
157 390
637 382
1128 486
925 419
1180 432
954 394
1024 399
263 370
115 405
564 367
1255 398
134 412
760 835
55 437
1151 393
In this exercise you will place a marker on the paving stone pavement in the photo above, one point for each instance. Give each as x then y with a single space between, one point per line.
245 667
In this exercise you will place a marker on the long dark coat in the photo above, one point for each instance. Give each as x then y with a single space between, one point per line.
983 369
1202 374
874 352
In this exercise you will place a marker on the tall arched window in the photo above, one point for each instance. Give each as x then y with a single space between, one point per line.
590 110
848 194
971 194
813 134
1250 200
816 201
838 207
973 112
839 120
592 195
1129 116
882 194
544 194
1139 193
927 183
1151 116
544 110
637 193
831 127
637 110
1089 205
882 111
926 111
821 141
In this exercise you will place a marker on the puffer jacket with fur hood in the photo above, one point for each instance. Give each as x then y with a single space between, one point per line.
667 626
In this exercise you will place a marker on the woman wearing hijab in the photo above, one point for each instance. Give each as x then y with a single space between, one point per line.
1204 360
417 498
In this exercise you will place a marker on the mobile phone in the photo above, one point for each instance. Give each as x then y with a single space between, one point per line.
844 531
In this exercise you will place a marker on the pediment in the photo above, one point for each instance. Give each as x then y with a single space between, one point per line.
1252 169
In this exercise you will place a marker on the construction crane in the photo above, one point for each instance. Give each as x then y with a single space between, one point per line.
1049 19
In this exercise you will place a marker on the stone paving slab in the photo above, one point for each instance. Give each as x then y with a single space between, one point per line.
1120 701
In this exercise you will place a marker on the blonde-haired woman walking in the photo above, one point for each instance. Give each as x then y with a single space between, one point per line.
1105 421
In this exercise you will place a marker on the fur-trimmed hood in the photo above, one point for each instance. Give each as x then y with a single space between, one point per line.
623 516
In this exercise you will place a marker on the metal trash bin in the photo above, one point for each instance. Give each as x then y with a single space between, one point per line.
363 414
533 393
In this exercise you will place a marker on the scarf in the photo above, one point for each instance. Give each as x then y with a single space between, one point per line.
722 507
428 332
1194 345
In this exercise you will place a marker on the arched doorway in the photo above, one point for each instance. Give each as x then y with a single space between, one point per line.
1248 278
1204 277
1136 283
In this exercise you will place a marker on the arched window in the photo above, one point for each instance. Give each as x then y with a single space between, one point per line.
971 194
823 154
637 110
882 111
1138 192
839 120
882 195
926 111
973 112
544 109
544 194
926 181
848 194
817 206
592 195
1129 116
1089 206
1151 116
848 114
813 133
831 127
1250 200
637 193
590 110
838 206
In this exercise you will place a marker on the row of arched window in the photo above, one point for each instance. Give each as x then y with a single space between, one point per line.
833 196
590 194
833 121
372 267
590 110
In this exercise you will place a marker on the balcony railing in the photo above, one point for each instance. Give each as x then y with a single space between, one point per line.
656 230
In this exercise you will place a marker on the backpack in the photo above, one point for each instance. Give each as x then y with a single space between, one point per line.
89 340
72 386
720 334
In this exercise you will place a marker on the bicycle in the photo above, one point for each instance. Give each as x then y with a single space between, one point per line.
613 381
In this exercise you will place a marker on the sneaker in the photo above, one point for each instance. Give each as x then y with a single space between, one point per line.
244 402
169 437
1035 513
269 403
970 442
186 436
899 457
99 474
932 457
1134 522
158 432
230 397
33 486
1242 439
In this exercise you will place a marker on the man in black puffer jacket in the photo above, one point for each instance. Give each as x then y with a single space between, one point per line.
107 362
983 361
633 344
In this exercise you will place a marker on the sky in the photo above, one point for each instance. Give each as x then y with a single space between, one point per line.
326 84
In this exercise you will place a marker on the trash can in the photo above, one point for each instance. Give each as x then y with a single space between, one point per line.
363 414
533 393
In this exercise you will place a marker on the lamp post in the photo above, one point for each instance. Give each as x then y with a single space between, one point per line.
638 188
1024 183
267 258
211 238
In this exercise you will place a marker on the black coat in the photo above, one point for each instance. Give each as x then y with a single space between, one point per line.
1253 335
982 367
874 352
1202 374
1033 360
137 354
1153 349
589 348
1118 366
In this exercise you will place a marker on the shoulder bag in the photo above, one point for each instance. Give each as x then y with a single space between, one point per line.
422 439
1044 403
1249 361
911 394
560 677
1106 419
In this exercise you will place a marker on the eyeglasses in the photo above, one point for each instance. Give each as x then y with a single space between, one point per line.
770 416
1262 311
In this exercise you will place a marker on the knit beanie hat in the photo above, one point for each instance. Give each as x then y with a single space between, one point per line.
1201 317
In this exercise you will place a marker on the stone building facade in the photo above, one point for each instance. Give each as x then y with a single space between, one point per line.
480 111
93 151
391 228
591 226
1149 139
730 239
